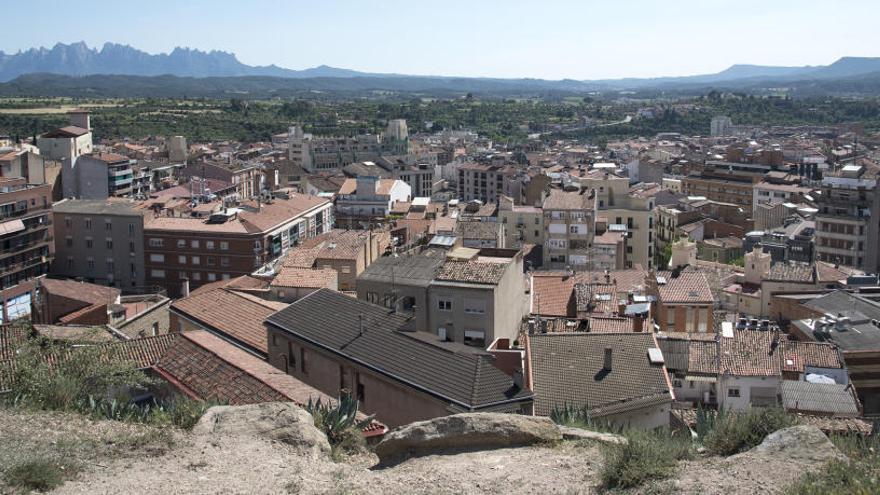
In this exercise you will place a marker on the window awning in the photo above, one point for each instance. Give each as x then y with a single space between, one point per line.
11 227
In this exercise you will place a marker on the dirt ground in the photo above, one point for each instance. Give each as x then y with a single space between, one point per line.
113 458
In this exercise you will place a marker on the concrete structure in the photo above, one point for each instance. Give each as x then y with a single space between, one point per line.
67 143
369 198
97 176
26 244
522 224
177 150
846 227
485 182
100 241
569 221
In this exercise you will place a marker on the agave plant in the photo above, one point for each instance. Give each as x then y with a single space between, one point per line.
337 420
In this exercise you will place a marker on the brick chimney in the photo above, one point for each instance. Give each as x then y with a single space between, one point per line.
606 365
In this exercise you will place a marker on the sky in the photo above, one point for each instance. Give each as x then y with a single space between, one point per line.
548 39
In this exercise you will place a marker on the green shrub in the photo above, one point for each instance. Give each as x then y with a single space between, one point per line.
37 474
339 422
185 413
647 456
733 432
579 417
47 376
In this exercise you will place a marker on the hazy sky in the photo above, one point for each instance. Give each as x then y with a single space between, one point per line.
551 39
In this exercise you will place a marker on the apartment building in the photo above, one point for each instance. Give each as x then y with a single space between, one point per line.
26 244
522 224
332 153
622 205
231 241
100 241
684 301
467 296
247 178
484 182
569 221
97 176
846 229
724 189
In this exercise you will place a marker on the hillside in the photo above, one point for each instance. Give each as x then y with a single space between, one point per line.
116 457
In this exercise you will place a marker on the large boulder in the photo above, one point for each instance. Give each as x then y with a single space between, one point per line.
799 444
468 431
278 421
579 434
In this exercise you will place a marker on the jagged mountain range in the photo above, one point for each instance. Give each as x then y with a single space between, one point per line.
77 60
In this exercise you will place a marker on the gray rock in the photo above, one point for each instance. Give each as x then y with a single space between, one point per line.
569 433
468 431
798 444
279 421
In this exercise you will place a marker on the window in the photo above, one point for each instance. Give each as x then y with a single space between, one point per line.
210 261
70 262
346 269
155 328
444 305
131 247
109 243
67 222
131 230
475 338
157 258
69 241
156 242
196 260
209 244
225 276
108 224
212 277
676 383
88 223
90 262
224 246
181 243
474 307
302 360
224 261
733 392
181 259
194 244
372 297
89 242
111 266
157 273
197 276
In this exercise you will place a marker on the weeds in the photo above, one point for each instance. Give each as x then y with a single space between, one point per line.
646 456
733 432
339 422
38 474
580 417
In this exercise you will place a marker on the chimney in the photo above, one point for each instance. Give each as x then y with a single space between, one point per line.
637 323
606 365
184 288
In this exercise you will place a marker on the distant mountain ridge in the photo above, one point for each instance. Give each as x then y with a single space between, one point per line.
78 60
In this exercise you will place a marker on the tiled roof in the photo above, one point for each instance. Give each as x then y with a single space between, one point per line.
790 272
305 277
553 295
689 287
797 355
213 369
676 353
12 336
820 398
703 357
477 230
368 334
567 200
229 312
474 272
751 353
383 188
413 270
567 369
80 291
66 132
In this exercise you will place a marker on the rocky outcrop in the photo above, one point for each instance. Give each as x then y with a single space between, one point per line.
806 444
468 431
278 421
578 434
